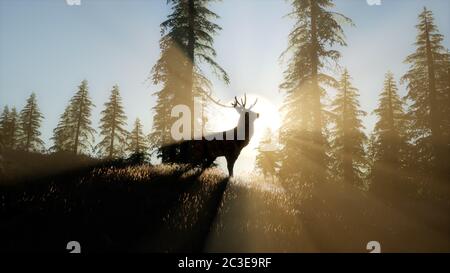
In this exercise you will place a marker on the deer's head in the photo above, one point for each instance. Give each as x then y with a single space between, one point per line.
247 117
241 107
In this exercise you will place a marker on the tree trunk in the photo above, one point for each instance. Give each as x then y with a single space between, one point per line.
317 137
347 155
137 150
434 112
77 132
392 136
111 147
314 71
189 92
29 129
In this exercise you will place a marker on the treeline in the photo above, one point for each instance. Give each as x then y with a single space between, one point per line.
74 132
408 151
186 41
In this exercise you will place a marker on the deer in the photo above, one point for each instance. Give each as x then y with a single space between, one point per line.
227 143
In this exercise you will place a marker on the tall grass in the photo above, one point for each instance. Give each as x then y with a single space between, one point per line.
111 206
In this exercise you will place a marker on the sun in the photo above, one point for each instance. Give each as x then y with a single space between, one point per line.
269 118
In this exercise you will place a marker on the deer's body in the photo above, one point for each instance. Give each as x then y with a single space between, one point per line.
228 143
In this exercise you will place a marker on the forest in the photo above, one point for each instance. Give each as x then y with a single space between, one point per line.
329 186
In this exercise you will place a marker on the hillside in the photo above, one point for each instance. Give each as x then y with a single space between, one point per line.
171 208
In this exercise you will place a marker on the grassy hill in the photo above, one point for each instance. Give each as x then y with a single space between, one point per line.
113 206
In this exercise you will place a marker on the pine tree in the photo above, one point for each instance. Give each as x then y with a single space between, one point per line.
187 40
267 156
444 80
64 132
349 138
389 140
427 95
4 124
12 130
160 137
9 128
112 123
304 135
30 122
80 114
137 140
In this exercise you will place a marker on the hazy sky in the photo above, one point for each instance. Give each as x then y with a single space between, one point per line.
48 47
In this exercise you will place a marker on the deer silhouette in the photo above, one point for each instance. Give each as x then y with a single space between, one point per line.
227 143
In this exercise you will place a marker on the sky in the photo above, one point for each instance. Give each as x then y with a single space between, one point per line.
49 47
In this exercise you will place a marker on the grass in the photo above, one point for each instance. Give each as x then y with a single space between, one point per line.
116 207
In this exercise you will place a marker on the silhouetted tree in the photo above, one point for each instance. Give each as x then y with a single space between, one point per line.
445 81
160 136
348 137
63 134
80 114
9 127
389 141
4 123
428 96
267 156
30 122
137 142
187 40
303 135
112 128
12 132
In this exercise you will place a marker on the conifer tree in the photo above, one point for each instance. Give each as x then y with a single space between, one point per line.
444 80
389 145
160 137
4 123
428 96
349 138
304 136
9 127
63 134
30 122
187 40
267 156
80 114
12 132
112 123
137 140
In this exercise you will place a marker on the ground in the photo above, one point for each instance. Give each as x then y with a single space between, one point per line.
115 206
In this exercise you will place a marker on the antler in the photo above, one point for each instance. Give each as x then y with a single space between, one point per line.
236 103
218 101
244 102
253 104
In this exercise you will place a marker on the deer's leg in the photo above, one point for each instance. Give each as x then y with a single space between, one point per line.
230 164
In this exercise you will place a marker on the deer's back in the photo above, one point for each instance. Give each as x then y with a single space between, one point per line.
211 149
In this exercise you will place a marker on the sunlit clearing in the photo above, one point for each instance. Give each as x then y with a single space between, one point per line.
243 223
